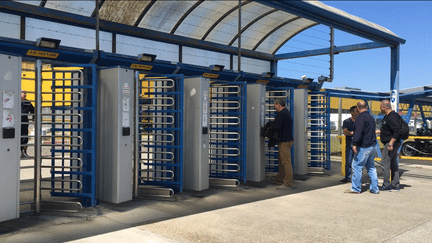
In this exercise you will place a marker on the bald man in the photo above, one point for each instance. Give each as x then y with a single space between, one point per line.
390 136
364 148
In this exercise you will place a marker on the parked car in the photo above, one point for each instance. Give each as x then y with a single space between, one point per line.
333 126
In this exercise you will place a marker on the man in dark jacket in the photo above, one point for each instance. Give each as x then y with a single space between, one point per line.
364 148
283 125
389 134
348 131
26 109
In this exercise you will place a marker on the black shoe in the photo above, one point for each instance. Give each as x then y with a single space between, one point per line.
396 188
344 180
385 189
24 154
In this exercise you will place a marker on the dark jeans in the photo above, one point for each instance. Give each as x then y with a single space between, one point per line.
348 162
390 164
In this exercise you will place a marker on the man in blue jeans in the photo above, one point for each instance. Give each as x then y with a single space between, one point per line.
364 148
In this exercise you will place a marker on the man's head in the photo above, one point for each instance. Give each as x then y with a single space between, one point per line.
354 111
385 106
279 104
361 106
23 94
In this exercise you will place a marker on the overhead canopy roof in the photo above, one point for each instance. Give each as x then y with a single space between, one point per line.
266 25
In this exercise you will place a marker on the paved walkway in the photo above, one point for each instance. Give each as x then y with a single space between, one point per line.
316 211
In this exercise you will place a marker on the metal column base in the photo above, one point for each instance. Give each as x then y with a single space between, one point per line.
154 191
224 182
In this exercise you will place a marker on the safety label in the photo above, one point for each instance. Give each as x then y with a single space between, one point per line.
8 99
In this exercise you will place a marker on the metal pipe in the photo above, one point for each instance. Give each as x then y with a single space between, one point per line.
97 24
239 38
136 135
340 117
331 54
37 139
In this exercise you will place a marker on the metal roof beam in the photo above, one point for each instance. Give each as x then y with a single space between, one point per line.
185 15
358 94
222 18
326 51
251 23
274 30
414 95
322 16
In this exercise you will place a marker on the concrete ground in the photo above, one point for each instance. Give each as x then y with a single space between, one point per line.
316 211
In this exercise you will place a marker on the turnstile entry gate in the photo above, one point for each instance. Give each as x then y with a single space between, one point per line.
196 134
64 137
158 167
255 146
115 134
319 129
272 93
10 74
227 133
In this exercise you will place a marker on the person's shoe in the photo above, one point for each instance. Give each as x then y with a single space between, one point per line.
396 188
284 187
344 180
273 180
351 191
386 189
374 192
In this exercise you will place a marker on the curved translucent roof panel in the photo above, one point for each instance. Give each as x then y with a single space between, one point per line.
347 15
265 25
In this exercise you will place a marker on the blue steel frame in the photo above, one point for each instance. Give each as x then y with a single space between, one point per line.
272 154
239 160
176 183
88 131
315 128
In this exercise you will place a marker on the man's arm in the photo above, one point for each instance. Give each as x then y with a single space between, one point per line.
358 134
348 133
277 124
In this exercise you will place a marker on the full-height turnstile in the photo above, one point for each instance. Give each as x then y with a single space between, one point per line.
272 93
64 137
10 74
319 129
115 134
227 133
196 133
158 160
296 101
255 151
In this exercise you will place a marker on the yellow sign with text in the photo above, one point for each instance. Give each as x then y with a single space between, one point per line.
262 81
43 54
141 66
210 75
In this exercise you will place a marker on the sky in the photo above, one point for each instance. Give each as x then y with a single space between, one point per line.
369 70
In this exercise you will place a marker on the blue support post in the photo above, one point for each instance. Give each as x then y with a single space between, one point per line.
394 76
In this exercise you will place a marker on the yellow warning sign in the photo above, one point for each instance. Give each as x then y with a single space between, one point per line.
141 66
262 81
210 75
43 54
